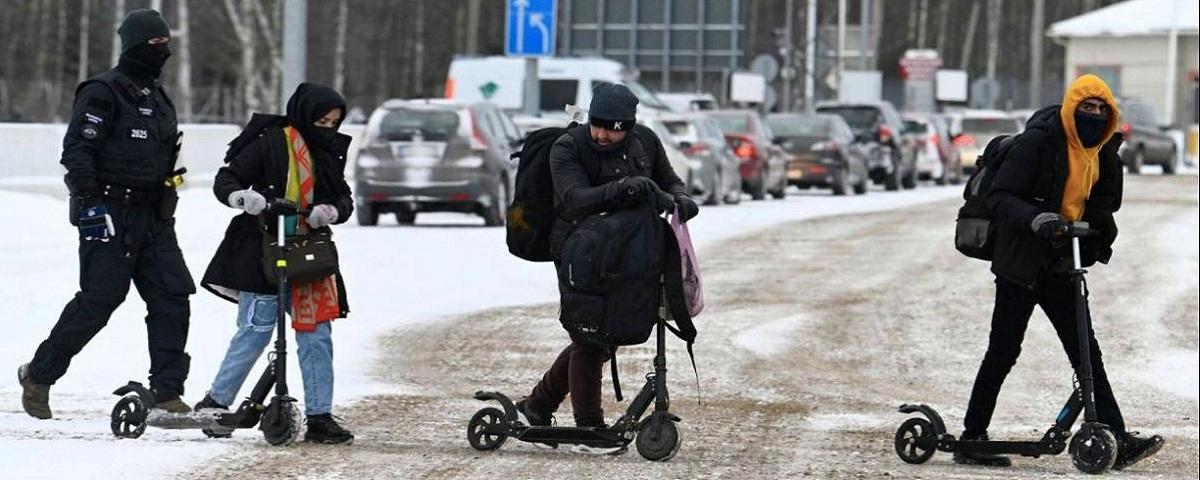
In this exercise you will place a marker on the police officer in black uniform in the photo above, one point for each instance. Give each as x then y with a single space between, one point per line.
120 151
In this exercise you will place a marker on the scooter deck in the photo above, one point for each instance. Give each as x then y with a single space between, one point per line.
208 420
571 435
1000 447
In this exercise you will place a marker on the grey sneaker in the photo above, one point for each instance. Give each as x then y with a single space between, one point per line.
35 397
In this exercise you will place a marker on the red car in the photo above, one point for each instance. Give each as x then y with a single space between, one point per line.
763 162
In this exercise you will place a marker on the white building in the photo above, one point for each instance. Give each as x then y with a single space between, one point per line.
1143 48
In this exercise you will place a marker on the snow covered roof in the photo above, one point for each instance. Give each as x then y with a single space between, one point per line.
1131 18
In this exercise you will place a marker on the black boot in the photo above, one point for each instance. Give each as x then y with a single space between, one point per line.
35 397
325 429
1132 449
982 459
209 403
532 417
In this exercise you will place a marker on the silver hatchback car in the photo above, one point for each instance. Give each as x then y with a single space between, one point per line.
435 156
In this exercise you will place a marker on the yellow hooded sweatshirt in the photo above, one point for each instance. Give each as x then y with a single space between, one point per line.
1083 163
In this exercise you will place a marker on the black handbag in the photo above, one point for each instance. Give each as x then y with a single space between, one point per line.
310 258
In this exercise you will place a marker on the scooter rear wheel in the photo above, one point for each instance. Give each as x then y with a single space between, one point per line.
487 429
129 417
661 447
1093 450
915 441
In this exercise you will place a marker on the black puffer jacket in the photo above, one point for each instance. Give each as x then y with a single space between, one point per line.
585 181
261 162
1030 182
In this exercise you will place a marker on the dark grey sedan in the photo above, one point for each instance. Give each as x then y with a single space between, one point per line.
435 156
822 152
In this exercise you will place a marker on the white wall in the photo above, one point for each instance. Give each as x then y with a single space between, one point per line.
34 150
1143 64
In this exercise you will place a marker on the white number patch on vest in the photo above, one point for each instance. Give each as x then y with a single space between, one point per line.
146 112
139 133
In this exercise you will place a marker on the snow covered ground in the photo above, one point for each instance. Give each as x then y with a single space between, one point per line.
396 276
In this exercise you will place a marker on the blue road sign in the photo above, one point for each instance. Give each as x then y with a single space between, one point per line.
529 29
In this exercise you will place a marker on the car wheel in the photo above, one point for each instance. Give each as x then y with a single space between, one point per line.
406 218
494 216
367 216
780 192
909 181
841 182
860 188
758 189
1139 159
1170 167
715 192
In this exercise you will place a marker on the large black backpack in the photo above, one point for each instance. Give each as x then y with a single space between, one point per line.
975 230
531 214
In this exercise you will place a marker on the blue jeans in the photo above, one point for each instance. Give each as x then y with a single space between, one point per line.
256 322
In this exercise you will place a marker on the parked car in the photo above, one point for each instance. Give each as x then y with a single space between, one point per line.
715 177
687 102
822 152
675 156
895 163
931 136
434 156
973 129
1146 143
763 163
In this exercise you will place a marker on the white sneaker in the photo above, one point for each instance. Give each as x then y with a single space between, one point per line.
525 421
590 450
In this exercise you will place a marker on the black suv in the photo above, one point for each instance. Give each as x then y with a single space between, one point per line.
894 162
1146 143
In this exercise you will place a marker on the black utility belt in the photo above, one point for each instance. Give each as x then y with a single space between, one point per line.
131 195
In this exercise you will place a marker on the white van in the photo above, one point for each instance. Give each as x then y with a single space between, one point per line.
564 81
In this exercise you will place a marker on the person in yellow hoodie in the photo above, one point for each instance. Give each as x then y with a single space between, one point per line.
1063 168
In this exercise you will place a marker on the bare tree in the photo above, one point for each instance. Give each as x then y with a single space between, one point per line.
84 27
339 52
271 29
248 79
993 32
118 16
922 22
183 38
419 50
963 63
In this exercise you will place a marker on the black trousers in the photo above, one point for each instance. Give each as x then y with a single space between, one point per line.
1010 317
578 370
146 252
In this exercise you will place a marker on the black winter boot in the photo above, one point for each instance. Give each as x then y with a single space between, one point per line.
532 417
982 459
1132 449
35 397
325 429
209 403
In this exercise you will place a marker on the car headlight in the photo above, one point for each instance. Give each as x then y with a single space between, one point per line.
368 161
472 161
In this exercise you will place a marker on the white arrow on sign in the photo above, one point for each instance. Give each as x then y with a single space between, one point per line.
536 20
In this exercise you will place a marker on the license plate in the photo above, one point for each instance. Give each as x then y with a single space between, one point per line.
795 171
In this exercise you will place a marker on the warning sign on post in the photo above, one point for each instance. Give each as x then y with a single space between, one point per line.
919 65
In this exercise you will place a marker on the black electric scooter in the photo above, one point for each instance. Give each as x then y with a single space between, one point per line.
657 436
278 419
1093 448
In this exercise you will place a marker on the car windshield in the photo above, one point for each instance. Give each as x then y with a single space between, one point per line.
645 96
732 123
859 118
797 126
677 127
913 126
989 126
403 124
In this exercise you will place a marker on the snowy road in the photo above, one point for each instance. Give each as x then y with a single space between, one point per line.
815 331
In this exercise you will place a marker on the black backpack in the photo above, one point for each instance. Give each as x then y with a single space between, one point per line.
974 231
531 214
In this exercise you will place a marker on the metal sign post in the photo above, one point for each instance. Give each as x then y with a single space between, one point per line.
529 32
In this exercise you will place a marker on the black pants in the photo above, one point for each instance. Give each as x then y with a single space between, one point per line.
578 371
1010 317
145 251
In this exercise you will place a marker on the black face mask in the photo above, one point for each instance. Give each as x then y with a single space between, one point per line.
151 58
324 138
308 104
605 149
1090 127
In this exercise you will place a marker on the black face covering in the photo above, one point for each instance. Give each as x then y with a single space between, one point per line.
146 59
1091 128
308 104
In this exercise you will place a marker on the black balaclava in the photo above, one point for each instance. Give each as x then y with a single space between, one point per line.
139 58
308 104
1091 128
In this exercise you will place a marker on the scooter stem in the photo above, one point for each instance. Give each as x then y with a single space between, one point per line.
280 360
1083 328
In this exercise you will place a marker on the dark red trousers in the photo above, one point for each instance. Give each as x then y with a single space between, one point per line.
578 371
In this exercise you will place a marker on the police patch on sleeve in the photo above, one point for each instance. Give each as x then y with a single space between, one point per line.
89 131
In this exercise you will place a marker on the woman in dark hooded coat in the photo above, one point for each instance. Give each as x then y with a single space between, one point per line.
299 157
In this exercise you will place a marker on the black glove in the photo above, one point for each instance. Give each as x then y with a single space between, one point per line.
638 186
687 207
663 202
94 221
1049 225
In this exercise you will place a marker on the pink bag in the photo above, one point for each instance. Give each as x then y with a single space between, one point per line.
693 292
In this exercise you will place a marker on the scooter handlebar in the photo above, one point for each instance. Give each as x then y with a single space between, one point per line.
1080 229
279 206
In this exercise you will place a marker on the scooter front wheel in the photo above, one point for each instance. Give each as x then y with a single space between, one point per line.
1093 450
658 446
280 423
129 417
487 429
915 441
